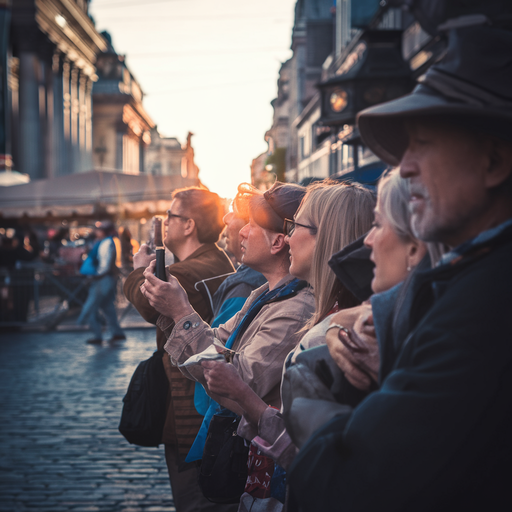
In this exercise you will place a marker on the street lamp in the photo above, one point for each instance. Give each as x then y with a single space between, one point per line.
373 72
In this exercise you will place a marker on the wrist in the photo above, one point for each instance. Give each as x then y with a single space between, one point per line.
182 312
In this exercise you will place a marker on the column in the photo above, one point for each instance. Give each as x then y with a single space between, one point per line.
48 122
59 149
75 151
119 150
88 124
5 139
82 115
66 114
30 137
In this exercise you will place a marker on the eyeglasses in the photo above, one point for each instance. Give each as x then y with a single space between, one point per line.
170 214
290 225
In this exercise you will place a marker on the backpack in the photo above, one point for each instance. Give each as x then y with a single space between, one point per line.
144 410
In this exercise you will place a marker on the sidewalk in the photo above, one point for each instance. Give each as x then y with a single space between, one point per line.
60 449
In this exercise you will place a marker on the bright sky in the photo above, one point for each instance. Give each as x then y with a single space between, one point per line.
209 67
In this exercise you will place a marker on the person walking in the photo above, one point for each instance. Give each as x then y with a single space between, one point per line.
102 292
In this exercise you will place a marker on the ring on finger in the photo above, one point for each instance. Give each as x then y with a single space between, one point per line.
337 326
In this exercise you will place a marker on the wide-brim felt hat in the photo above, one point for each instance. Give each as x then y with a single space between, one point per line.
471 87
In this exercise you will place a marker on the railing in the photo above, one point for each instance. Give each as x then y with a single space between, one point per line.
44 296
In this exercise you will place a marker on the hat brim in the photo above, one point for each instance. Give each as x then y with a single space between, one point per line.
383 131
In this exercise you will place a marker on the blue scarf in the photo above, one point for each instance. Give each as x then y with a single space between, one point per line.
281 293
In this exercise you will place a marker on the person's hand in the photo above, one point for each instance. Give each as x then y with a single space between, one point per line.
357 352
222 379
347 317
168 298
143 257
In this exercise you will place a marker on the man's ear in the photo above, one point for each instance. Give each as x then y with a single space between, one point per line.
278 243
190 227
500 163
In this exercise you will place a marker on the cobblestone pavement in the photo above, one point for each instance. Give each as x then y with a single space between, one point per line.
60 450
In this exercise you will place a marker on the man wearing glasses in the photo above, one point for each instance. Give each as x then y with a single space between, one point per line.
192 228
268 326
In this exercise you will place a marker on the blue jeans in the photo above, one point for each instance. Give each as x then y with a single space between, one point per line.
102 294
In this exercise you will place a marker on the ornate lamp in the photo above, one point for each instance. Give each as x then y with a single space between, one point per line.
373 72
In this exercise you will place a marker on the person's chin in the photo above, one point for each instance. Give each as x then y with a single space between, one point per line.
421 227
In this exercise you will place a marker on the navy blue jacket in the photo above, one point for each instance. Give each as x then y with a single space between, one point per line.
437 435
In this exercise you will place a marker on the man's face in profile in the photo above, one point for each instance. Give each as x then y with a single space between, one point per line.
445 166
234 224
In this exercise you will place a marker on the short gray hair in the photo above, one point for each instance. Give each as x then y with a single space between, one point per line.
393 196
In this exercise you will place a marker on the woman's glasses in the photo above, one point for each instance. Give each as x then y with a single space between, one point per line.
290 225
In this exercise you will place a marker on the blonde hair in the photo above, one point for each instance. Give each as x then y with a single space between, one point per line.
341 213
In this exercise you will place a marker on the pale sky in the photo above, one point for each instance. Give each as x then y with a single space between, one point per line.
209 67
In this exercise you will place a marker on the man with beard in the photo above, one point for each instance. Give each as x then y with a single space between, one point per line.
436 435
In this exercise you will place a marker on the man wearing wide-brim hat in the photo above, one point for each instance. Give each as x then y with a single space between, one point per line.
436 435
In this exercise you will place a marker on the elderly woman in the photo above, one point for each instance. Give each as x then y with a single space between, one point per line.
395 252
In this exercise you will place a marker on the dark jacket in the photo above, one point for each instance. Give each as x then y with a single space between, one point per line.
436 435
183 421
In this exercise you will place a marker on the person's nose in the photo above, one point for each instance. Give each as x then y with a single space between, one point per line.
368 241
408 165
244 232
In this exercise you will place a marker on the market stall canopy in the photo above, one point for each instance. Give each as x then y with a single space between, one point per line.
90 193
10 178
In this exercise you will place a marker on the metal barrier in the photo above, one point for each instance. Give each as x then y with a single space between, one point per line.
42 296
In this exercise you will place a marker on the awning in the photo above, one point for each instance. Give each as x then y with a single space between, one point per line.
89 194
368 174
10 178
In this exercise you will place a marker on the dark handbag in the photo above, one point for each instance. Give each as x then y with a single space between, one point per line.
223 470
144 409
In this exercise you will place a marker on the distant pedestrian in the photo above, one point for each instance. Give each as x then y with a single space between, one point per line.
129 247
102 292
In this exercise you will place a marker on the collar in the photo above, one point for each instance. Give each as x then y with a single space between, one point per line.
483 238
285 280
201 250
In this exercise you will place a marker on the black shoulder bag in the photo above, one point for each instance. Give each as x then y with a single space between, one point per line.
144 409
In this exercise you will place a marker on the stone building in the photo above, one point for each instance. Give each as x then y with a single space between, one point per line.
277 137
262 176
122 128
377 53
312 42
48 70
165 156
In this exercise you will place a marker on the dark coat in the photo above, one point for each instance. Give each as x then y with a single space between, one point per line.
437 434
183 421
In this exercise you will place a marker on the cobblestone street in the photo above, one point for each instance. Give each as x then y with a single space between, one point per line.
60 403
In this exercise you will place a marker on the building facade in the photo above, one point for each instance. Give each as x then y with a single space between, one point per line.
49 54
166 156
122 128
373 54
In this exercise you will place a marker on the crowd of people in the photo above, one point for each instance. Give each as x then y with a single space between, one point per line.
359 340
362 344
